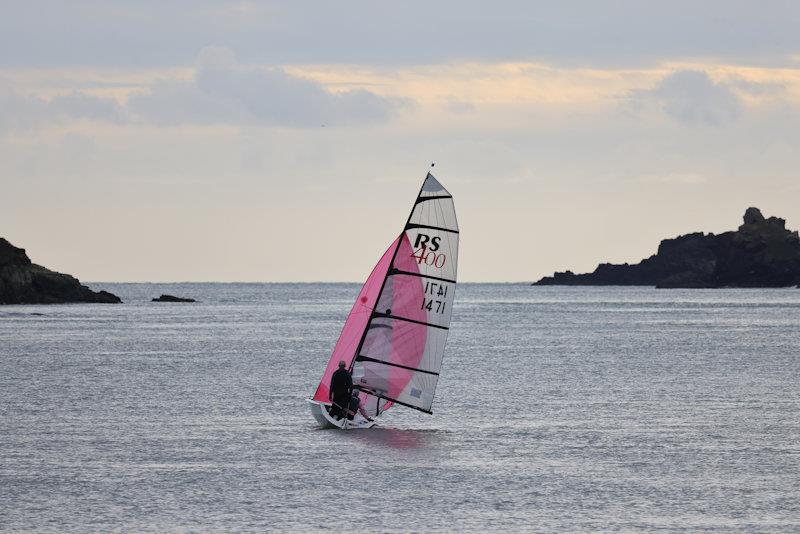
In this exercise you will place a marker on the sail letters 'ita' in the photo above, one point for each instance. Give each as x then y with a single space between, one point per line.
393 340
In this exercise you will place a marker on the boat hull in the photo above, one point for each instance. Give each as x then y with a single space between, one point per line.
320 412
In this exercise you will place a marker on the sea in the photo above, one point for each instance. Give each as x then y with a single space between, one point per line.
559 409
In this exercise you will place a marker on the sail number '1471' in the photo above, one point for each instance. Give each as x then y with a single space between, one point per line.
433 304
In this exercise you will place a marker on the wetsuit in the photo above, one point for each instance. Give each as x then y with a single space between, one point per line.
352 408
341 386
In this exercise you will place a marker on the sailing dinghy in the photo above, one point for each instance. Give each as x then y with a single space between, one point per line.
393 340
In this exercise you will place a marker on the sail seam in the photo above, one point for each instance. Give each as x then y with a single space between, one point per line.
411 226
362 358
389 316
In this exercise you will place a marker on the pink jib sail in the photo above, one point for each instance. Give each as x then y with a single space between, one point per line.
356 322
401 299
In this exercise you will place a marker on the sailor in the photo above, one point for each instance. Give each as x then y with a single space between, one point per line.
339 394
355 407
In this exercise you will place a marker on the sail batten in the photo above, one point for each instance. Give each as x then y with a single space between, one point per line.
399 318
396 332
378 395
411 226
368 359
424 199
396 272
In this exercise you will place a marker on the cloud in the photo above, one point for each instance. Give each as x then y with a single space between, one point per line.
460 107
757 89
79 105
685 178
221 91
19 112
224 91
585 32
691 97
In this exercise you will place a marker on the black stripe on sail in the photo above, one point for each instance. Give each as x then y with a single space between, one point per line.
401 403
389 316
411 226
406 273
435 197
361 358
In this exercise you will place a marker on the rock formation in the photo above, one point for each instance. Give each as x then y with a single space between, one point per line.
761 253
171 298
23 282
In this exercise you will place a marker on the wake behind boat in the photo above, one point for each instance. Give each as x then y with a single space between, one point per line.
393 340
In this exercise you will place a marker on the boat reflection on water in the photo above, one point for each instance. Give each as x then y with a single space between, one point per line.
396 438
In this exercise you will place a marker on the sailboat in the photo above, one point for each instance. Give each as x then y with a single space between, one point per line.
393 340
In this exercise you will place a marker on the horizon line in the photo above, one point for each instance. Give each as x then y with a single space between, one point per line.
276 282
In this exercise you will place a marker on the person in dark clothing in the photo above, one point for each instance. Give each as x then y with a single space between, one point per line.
355 407
339 394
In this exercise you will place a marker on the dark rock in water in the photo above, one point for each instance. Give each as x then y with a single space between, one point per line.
761 253
171 298
23 282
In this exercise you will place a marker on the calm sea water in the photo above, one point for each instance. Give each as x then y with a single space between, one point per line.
558 410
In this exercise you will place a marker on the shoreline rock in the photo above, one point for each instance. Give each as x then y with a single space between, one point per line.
171 298
761 253
24 282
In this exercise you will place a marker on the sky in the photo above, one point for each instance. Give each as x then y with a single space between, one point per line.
286 141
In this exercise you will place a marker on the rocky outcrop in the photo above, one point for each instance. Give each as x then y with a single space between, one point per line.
761 253
171 298
23 282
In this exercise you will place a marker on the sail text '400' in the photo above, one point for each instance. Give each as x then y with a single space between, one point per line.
394 338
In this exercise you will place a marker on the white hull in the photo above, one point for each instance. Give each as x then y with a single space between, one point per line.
320 412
